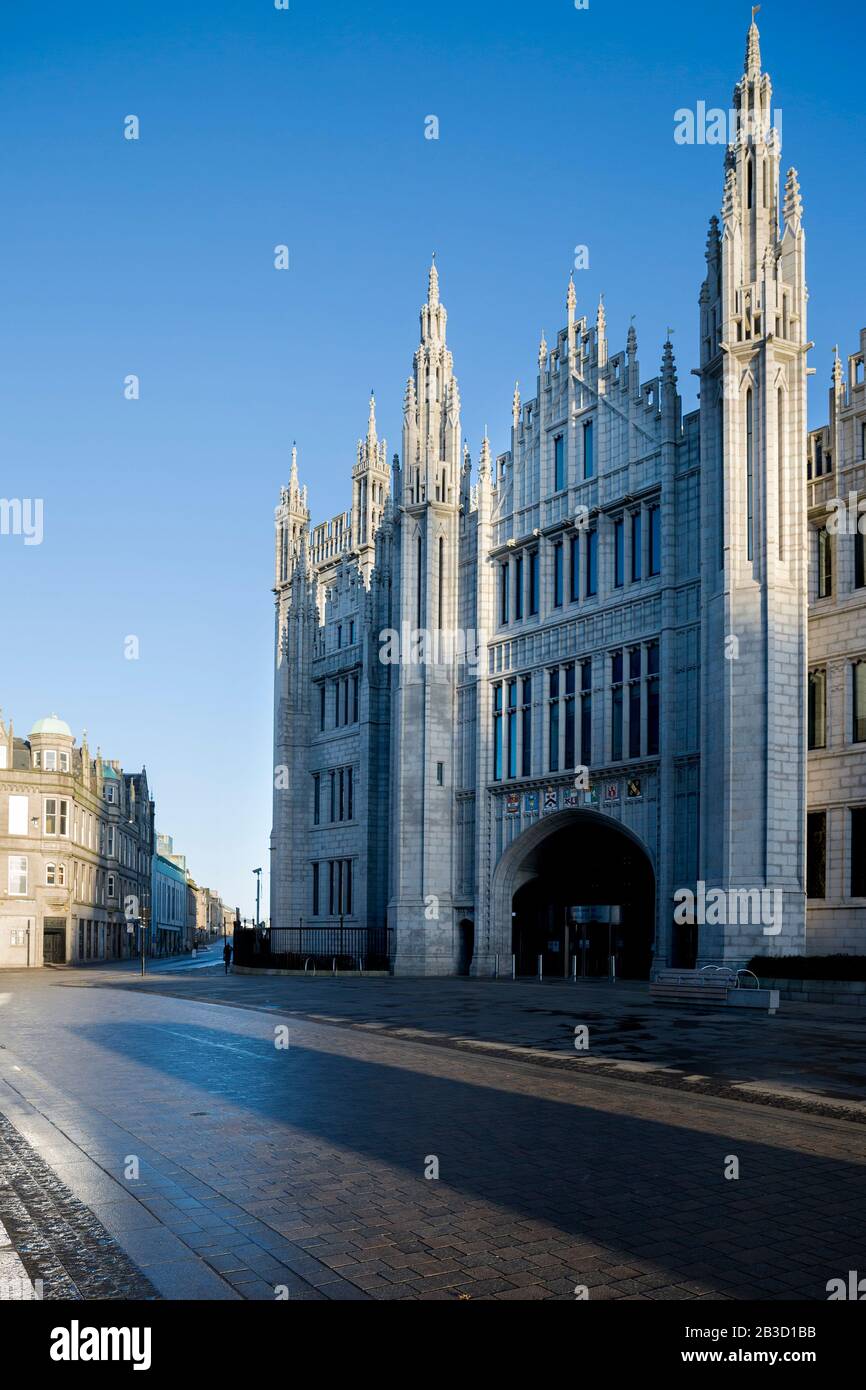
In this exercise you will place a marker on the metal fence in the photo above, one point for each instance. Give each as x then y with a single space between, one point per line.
306 948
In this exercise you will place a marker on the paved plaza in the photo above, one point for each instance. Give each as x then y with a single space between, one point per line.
223 1164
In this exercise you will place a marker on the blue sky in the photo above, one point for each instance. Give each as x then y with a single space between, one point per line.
306 127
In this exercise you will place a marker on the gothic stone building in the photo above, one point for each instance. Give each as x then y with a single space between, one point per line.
563 710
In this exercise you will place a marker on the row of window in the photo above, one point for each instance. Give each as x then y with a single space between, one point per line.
519 575
818 705
820 463
83 826
816 853
634 724
346 630
825 562
338 702
47 760
96 885
334 792
332 884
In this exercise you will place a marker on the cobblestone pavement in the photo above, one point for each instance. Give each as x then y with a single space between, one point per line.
51 1245
268 1171
803 1055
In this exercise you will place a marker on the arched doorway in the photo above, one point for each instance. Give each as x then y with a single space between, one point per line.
465 945
577 886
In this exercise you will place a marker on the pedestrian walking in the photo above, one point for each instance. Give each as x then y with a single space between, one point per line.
227 956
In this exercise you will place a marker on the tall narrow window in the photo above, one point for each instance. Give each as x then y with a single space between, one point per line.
553 727
503 593
616 708
574 568
586 713
781 450
636 546
591 563
588 451
321 706
816 854
512 728
655 540
750 471
634 702
533 583
441 582
825 564
569 716
858 852
619 553
419 589
558 463
497 733
859 701
350 793
557 575
333 795
518 588
355 698
860 561
652 700
526 714
317 799
818 709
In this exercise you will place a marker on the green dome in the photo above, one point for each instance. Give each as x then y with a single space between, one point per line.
51 725
108 771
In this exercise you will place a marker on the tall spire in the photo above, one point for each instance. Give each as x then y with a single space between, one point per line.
542 351
372 437
433 284
793 209
753 48
515 404
484 460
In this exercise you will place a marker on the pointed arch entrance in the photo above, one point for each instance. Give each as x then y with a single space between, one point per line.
577 886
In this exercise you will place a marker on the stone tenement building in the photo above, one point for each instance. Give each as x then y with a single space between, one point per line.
76 840
600 745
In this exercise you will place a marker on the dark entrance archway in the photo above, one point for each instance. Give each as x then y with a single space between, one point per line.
584 891
465 946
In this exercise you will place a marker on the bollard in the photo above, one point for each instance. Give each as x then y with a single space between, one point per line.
540 969
496 966
574 969
333 965
514 967
613 970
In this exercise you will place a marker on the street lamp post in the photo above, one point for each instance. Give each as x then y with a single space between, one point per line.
258 874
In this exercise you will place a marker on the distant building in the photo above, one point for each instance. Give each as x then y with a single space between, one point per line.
76 845
168 920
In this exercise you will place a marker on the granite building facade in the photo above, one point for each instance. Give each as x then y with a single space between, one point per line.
558 706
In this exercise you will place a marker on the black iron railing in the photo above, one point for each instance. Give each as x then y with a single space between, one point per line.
299 948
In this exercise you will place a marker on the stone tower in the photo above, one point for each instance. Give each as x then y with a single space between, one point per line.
295 625
754 581
371 478
420 912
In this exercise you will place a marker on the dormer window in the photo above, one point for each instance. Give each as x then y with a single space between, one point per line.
64 762
50 760
110 792
37 759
